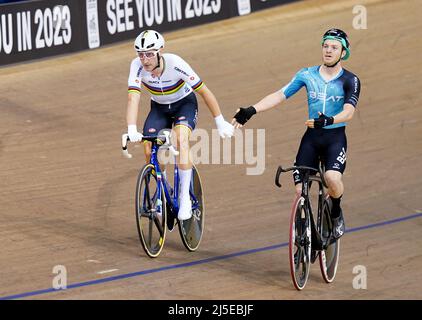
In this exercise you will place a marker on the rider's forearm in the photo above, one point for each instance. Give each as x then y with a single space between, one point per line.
210 101
345 115
132 108
270 101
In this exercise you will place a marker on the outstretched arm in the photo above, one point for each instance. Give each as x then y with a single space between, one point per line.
225 129
210 100
270 101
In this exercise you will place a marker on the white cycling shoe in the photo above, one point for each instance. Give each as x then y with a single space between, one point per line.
185 209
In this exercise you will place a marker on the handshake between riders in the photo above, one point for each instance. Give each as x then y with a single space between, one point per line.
333 94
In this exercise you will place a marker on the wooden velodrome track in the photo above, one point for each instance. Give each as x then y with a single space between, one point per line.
66 193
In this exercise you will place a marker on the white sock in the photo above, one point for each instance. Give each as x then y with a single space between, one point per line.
185 177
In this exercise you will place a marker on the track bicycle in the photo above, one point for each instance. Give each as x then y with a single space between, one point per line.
156 201
310 239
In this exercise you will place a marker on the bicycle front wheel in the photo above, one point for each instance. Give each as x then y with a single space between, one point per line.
300 243
191 230
329 257
151 212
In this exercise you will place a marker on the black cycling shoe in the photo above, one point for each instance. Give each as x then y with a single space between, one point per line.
338 226
170 217
314 255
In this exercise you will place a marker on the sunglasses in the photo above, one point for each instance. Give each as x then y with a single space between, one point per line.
147 54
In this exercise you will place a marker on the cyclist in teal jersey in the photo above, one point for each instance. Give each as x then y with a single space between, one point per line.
333 94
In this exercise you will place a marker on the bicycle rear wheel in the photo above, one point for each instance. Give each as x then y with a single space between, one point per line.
151 212
191 230
328 258
300 243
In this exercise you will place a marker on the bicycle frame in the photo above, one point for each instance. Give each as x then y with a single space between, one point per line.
168 190
316 239
171 193
317 242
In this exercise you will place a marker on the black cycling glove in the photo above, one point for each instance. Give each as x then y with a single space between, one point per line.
244 114
323 121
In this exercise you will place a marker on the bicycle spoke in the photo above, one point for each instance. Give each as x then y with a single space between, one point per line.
159 226
299 257
147 192
150 222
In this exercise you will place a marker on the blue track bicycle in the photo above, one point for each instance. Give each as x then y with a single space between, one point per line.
156 201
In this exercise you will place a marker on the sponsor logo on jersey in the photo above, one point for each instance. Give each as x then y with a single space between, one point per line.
322 96
181 71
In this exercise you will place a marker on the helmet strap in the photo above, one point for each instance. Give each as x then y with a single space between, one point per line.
159 61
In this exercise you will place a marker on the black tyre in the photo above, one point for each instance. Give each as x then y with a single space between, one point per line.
328 258
299 243
191 230
151 212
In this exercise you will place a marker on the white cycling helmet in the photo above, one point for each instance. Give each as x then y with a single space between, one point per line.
149 40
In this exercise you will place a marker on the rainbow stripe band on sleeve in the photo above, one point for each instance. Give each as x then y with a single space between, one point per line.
134 90
198 86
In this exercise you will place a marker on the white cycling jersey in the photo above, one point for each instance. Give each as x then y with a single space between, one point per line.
176 82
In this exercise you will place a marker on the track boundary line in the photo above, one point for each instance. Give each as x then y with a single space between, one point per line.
196 262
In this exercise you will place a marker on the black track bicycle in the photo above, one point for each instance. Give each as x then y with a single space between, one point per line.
310 239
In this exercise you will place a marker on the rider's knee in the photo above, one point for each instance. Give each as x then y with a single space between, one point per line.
182 136
333 178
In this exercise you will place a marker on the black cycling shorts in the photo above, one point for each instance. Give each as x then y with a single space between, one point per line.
164 116
327 144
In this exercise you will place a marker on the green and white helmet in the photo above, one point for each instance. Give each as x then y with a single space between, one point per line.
339 35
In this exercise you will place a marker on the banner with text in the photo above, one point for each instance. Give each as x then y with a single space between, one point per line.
39 29
124 19
36 29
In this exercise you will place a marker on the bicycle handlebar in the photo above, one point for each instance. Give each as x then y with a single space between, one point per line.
165 136
280 169
125 140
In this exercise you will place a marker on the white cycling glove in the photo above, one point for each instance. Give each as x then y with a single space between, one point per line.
225 129
134 135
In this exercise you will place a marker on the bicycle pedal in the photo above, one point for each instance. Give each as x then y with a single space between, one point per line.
170 225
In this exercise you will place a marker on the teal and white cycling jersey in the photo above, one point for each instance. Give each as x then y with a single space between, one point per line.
324 96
